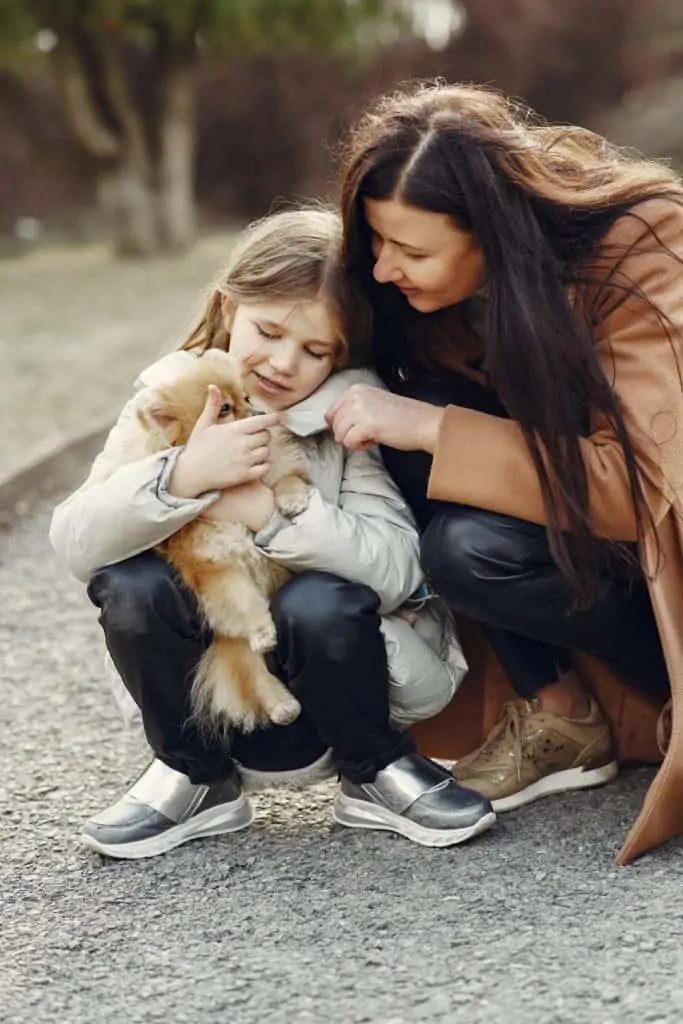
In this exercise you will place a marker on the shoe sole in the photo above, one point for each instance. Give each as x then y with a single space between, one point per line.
558 782
358 814
217 821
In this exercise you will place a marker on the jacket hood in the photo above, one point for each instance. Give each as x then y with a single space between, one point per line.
308 417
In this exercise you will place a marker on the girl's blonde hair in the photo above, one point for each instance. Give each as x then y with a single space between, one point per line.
293 255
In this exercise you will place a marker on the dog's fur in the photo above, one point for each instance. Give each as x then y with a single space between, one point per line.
219 561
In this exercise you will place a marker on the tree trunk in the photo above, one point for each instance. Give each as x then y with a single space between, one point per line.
176 154
129 207
110 130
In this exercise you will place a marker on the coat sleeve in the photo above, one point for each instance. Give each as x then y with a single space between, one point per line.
120 510
483 461
369 537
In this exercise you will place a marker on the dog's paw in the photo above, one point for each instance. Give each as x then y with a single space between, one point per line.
291 496
263 639
285 711
292 505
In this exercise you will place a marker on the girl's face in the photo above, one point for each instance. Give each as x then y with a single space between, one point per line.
285 350
433 262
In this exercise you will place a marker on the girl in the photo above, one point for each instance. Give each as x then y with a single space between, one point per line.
530 279
291 320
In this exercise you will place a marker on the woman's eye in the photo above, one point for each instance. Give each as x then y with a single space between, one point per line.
316 355
225 409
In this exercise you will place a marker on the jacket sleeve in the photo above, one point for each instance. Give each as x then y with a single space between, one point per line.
483 461
120 510
369 537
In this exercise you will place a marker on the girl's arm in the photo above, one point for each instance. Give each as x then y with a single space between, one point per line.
369 537
120 510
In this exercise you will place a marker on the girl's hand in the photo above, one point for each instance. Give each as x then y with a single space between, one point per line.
365 416
220 455
251 504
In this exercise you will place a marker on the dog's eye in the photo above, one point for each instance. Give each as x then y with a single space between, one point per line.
225 409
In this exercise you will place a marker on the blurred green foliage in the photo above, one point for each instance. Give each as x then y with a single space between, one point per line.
214 25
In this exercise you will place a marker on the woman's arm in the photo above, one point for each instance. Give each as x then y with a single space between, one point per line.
643 366
484 461
369 537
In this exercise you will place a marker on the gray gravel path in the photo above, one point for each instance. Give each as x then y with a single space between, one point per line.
295 920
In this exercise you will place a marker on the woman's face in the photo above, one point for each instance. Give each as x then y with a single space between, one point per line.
433 262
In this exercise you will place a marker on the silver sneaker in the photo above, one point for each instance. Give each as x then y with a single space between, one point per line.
417 799
162 810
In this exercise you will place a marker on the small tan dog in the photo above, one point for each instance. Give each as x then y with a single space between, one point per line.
219 561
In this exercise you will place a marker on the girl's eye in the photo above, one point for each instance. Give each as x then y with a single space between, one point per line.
415 256
317 355
225 409
264 333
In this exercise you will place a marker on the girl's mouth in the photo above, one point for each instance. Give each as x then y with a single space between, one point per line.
271 386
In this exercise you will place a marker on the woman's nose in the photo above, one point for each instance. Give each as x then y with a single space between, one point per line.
385 269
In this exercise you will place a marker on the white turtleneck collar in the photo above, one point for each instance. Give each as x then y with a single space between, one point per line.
308 417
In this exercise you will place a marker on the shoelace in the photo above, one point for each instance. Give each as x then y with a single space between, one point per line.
508 726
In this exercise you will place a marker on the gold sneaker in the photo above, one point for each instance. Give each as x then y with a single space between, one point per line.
532 753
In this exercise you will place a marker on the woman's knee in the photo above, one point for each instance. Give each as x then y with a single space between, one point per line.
132 593
469 554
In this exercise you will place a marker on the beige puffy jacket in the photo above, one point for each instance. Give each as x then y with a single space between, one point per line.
356 525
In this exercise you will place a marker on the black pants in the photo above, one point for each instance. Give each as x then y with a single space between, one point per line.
330 653
499 571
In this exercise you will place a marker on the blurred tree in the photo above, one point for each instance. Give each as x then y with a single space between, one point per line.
142 142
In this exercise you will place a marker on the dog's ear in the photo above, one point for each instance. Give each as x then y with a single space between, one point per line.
163 418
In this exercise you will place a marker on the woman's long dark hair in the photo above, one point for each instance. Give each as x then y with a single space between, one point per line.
538 199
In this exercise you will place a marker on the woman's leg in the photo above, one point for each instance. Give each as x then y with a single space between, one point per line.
329 652
499 571
535 667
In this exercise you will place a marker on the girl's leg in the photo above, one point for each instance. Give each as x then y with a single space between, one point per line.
191 789
329 652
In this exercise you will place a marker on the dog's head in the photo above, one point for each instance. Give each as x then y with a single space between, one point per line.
170 411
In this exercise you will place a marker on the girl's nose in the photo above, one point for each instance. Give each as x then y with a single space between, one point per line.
285 359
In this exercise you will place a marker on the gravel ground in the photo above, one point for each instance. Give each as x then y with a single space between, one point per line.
76 327
296 919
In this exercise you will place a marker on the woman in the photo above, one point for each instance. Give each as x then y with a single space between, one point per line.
528 287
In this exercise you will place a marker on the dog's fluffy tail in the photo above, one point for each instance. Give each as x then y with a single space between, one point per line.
233 688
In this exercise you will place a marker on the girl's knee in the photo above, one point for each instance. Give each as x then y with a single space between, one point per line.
131 593
320 603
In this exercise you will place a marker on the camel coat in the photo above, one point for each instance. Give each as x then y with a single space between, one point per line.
643 365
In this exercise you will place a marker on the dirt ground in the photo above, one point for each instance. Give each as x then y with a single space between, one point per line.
75 329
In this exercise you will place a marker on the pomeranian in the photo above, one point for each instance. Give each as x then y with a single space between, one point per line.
231 578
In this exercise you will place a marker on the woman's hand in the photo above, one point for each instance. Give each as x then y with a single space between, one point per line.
252 504
221 455
365 416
